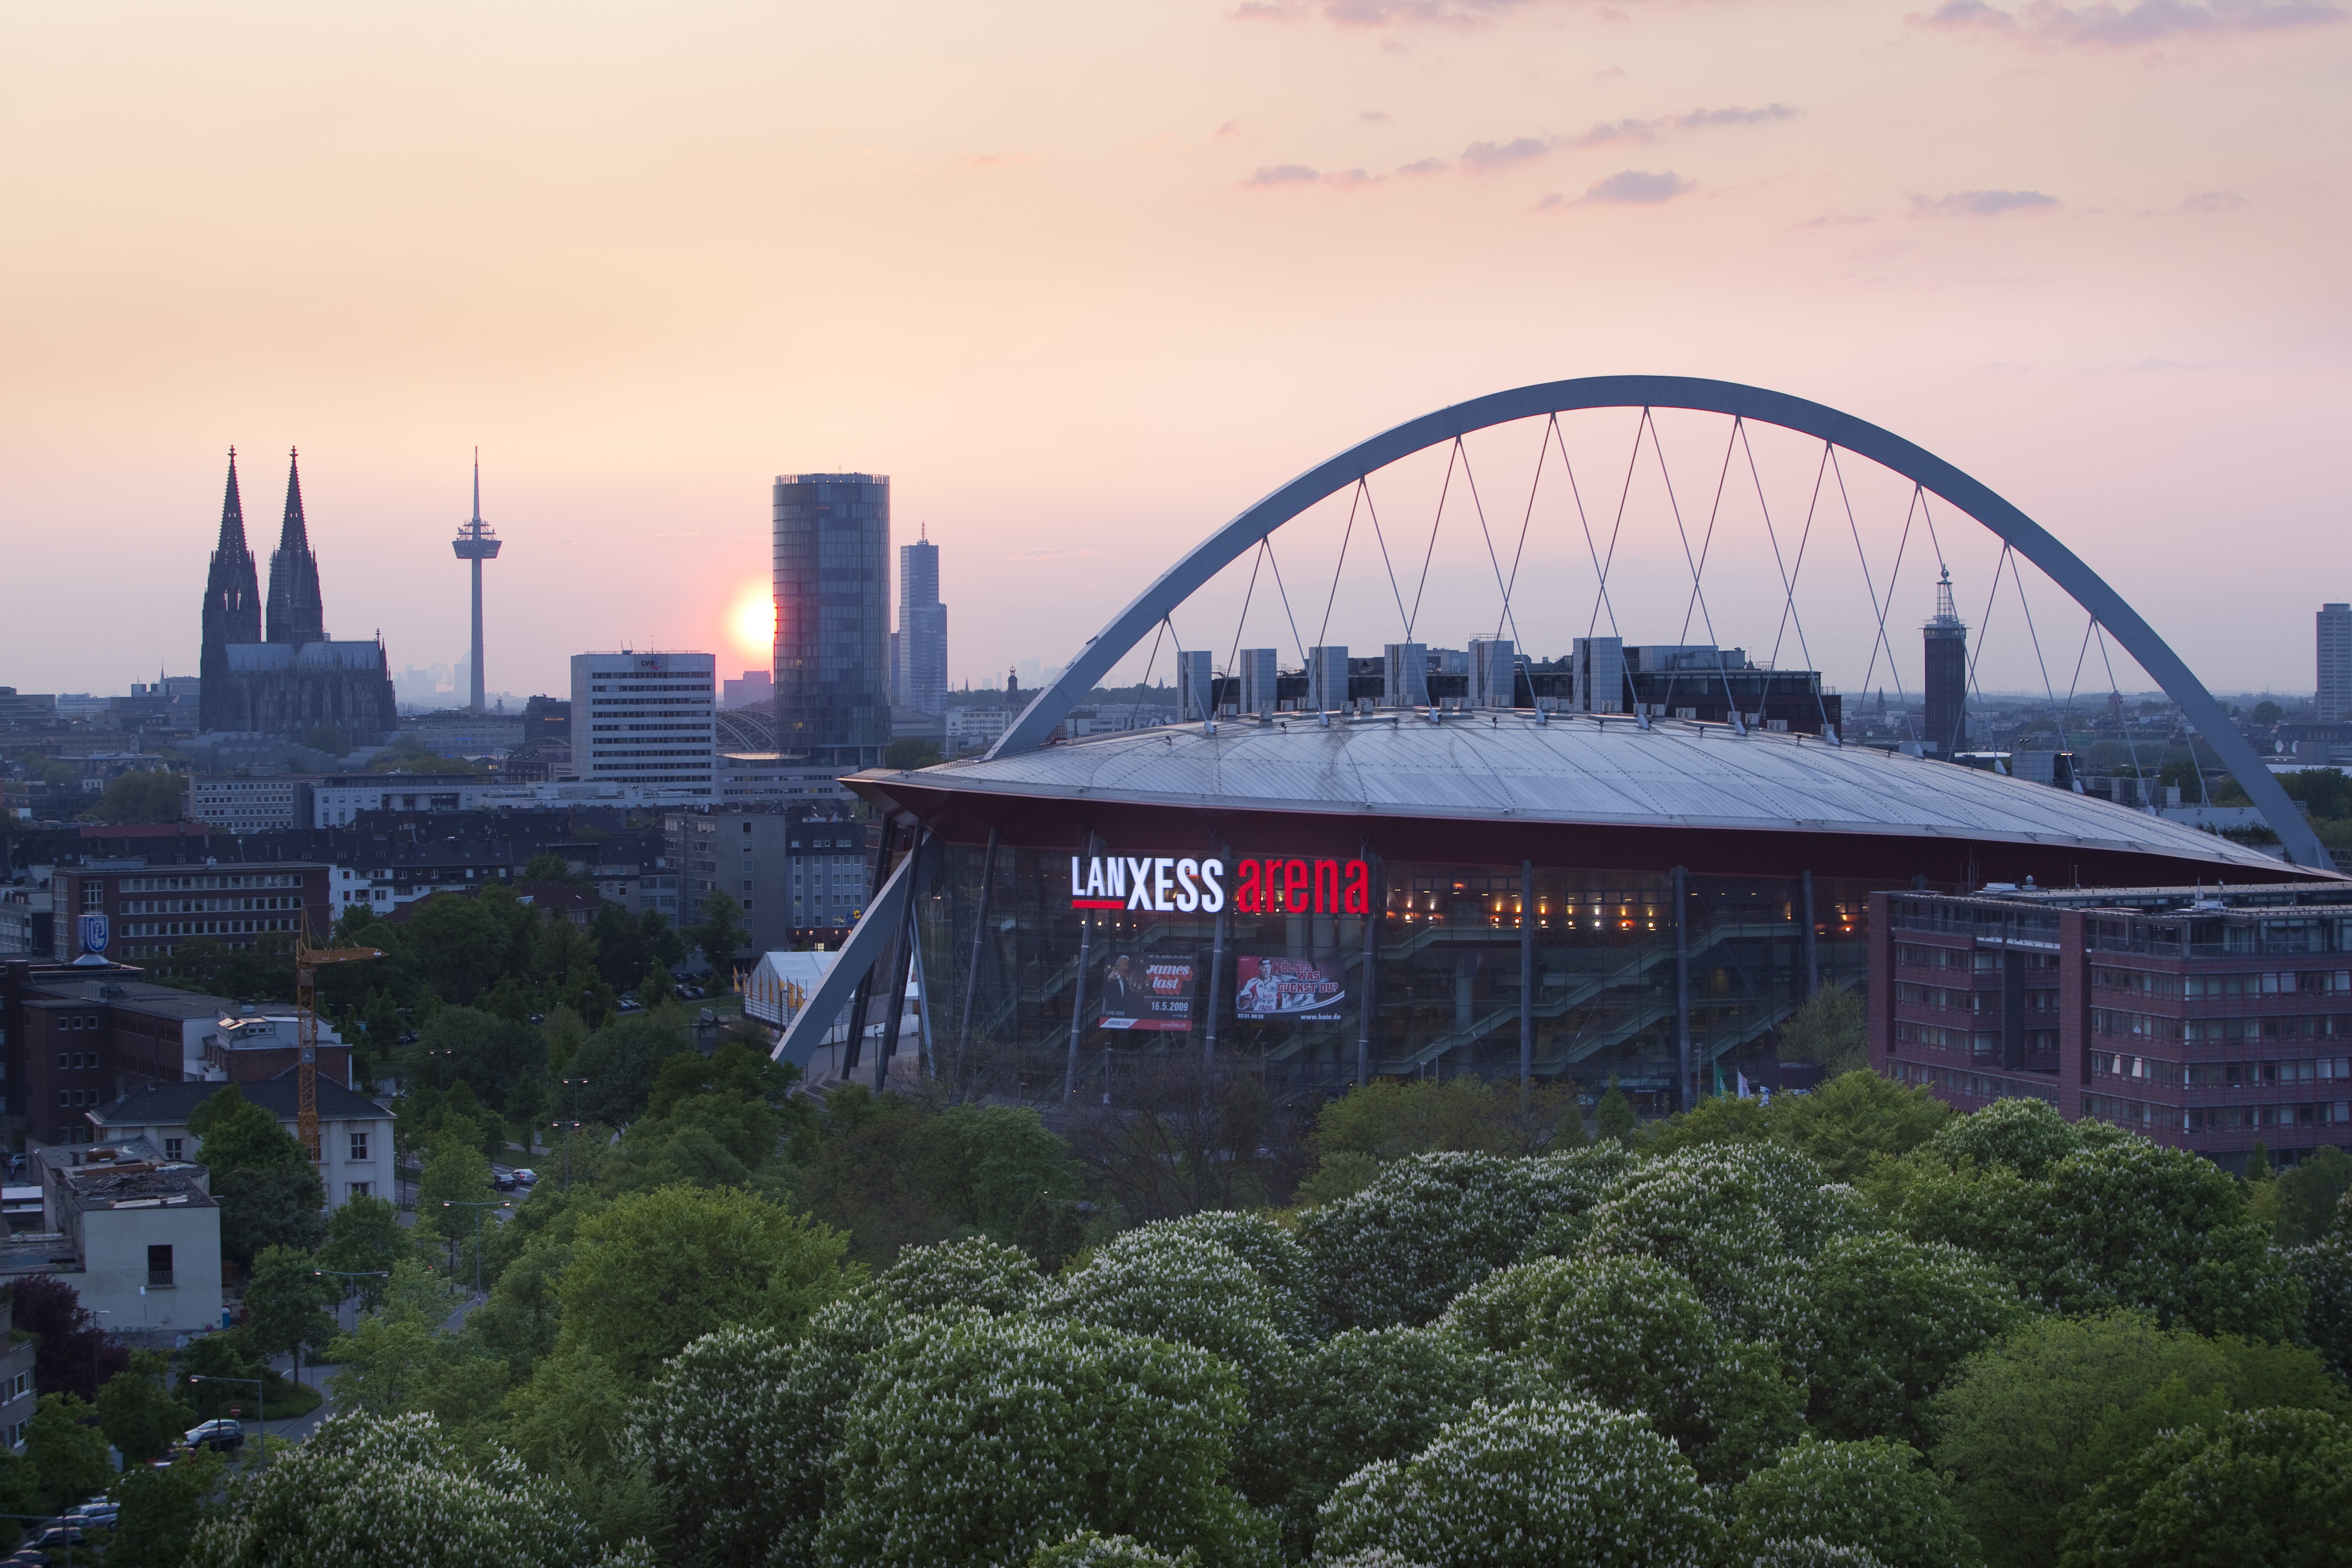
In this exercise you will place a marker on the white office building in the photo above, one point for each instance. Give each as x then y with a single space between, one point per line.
648 719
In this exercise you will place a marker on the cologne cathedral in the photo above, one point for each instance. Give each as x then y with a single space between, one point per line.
287 676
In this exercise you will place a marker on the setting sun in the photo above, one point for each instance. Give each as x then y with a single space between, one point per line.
752 622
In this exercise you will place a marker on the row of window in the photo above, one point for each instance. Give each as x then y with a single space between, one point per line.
74 1021
71 1098
207 906
2223 1075
76 1061
210 928
200 884
2217 1118
1974 1084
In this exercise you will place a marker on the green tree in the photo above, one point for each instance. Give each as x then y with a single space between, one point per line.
457 1174
2309 1195
1391 1118
328 738
1525 1485
1829 1029
234 1134
909 752
274 1207
658 1269
286 1303
973 1274
137 1412
494 1056
2255 1486
721 934
979 1439
148 795
619 1062
1894 1318
2057 1406
363 1237
1612 1114
67 1451
2268 713
162 1509
1854 1117
1162 1284
1872 1497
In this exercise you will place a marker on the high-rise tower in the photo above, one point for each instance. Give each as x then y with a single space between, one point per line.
296 613
1947 638
476 541
919 654
833 617
2335 699
232 605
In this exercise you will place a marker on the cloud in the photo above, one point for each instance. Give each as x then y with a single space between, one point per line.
1979 203
1484 157
2212 202
2044 22
1627 188
1425 166
1376 117
1227 131
1300 175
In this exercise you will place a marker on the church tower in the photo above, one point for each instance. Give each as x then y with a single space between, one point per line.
232 605
296 615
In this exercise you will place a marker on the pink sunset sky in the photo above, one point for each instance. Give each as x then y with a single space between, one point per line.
1086 278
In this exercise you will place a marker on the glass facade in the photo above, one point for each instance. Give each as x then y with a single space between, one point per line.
1286 994
833 617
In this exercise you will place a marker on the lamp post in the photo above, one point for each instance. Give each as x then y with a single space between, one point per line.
261 1403
348 1275
45 1518
477 1207
96 1343
575 1127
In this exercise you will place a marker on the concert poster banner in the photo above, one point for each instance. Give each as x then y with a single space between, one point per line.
1305 989
1139 993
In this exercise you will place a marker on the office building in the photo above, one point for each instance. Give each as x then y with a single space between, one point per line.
800 874
244 803
2207 1018
832 576
1947 640
2335 698
1681 680
646 718
757 688
919 648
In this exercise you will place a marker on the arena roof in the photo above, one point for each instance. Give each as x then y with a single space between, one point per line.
1502 767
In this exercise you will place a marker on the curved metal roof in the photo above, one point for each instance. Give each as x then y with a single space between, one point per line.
1503 766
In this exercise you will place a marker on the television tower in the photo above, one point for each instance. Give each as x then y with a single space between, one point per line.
476 541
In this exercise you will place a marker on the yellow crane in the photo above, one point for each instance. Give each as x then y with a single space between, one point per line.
306 960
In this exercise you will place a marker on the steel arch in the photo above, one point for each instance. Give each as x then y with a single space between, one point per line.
1923 467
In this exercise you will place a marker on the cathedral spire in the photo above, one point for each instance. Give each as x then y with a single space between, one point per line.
232 527
296 615
232 600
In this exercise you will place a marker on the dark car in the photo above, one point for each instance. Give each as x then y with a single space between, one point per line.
222 1436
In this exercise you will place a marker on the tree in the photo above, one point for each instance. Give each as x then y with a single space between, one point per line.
1632 1334
162 1509
234 1134
2058 1405
1872 1496
2027 1136
495 1057
1164 1285
2256 1486
286 1303
148 795
1829 1029
1390 1119
980 1439
67 1451
619 1062
363 1237
722 933
972 1274
269 1193
1846 1121
549 867
1894 1317
910 751
70 1353
658 1269
1089 1549
138 1412
455 1177
1434 1224
1525 1486
2308 1196
2325 1269
1612 1114
2268 713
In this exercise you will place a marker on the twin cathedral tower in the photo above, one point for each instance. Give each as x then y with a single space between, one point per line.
267 667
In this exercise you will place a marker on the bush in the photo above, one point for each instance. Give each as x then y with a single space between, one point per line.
1872 1497
1435 1225
980 1439
2257 1487
1534 1484
1632 1334
1894 1317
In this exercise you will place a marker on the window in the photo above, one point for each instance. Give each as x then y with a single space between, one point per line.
159 1267
362 1189
65 1098
172 1147
93 896
359 1146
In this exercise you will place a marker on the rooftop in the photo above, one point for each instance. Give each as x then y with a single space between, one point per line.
168 1104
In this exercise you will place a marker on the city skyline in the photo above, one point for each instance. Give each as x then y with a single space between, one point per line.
2089 263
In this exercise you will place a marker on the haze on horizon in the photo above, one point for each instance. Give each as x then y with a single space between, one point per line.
1087 281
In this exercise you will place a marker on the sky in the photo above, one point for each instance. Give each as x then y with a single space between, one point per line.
1085 281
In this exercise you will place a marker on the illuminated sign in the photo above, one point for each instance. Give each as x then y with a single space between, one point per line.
1166 885
1303 888
1147 993
95 933
1309 990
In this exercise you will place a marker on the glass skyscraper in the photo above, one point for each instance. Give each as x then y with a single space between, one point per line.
833 617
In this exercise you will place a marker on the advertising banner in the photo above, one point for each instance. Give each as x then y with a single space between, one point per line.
95 933
1309 990
1147 993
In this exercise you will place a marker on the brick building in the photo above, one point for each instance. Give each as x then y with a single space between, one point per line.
2204 1018
148 909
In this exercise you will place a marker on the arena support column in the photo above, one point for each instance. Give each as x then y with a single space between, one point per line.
1216 975
1811 958
1078 988
1683 1096
1375 905
972 974
1526 980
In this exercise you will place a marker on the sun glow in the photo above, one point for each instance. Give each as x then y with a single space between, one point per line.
752 621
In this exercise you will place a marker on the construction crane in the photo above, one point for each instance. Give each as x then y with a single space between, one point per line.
306 960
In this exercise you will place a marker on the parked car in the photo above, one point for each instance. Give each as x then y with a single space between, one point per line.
57 1535
503 1180
631 1005
222 1435
527 1176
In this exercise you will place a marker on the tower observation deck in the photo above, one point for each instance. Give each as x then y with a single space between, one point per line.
476 541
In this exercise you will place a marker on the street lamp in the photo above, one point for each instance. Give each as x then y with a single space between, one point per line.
348 1275
96 1343
261 1403
575 1127
477 1207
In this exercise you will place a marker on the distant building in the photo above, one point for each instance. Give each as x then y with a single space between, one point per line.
749 777
297 678
146 912
757 688
645 719
2335 662
249 804
18 1397
1674 680
974 728
800 875
833 617
356 1151
145 1234
919 648
463 732
1947 640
